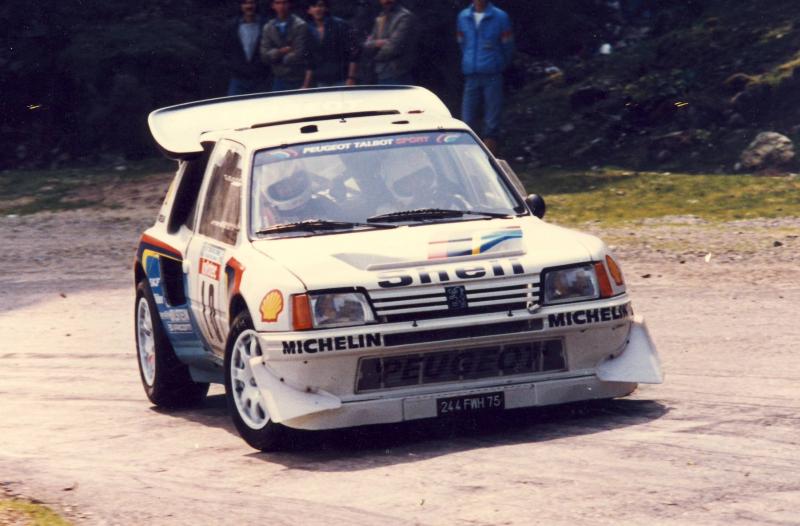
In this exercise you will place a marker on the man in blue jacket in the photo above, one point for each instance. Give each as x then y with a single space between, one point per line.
487 47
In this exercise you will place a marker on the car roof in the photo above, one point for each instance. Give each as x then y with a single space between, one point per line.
179 130
333 129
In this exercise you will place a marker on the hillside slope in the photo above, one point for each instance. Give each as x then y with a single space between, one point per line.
679 91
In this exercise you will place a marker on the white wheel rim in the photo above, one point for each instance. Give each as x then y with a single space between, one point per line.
249 403
146 341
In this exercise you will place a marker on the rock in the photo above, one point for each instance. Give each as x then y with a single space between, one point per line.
768 150
587 96
777 244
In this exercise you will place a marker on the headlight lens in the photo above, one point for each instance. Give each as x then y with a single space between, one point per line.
571 284
340 310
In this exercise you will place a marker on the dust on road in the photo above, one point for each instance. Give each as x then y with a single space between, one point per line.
718 443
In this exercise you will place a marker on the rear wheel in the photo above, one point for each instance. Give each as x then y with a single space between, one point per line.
166 381
246 404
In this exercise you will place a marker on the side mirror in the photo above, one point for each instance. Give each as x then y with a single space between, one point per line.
536 205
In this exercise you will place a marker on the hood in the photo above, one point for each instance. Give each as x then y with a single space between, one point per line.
360 259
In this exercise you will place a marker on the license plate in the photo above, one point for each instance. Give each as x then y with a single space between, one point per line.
470 404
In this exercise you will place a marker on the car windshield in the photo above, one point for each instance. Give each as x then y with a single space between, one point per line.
368 182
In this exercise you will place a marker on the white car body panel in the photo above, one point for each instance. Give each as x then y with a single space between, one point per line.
310 379
178 129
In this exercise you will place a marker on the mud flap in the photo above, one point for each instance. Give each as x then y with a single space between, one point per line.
285 402
638 363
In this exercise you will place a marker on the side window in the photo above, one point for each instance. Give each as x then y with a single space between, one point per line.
475 167
221 210
185 202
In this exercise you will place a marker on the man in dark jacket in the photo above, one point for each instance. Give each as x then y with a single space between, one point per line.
392 45
240 47
285 46
487 46
335 49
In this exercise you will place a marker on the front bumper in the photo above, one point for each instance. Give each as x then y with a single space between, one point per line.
316 388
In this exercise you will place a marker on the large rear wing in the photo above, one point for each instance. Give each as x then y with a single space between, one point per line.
178 129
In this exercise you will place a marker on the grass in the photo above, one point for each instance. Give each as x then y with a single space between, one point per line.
619 196
573 196
28 514
30 191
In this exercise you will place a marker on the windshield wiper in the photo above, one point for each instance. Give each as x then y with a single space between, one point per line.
431 213
314 225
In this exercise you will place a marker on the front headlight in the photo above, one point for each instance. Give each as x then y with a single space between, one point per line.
340 309
566 285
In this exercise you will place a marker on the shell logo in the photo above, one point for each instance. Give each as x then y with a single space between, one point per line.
271 306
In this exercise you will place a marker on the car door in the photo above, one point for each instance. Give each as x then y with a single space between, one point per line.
214 243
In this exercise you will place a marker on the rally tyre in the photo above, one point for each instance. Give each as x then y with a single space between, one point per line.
245 403
165 379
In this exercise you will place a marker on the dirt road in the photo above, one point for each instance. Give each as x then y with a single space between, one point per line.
718 443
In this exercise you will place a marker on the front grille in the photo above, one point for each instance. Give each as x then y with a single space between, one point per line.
455 333
388 372
436 301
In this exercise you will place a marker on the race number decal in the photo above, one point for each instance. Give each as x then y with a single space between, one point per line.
210 311
212 292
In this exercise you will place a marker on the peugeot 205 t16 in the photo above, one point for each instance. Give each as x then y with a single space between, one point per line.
349 256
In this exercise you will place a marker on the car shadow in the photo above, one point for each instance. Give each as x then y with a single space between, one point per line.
368 447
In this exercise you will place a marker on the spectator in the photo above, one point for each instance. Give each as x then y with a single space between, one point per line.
285 47
362 21
240 45
334 44
392 45
487 47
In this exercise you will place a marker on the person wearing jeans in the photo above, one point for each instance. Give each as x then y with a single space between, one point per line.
392 45
286 47
242 38
487 48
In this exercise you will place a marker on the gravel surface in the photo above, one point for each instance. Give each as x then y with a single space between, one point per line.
716 444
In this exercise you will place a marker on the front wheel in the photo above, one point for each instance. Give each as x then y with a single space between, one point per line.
166 381
245 402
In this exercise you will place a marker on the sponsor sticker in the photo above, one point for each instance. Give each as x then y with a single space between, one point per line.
589 316
472 270
271 306
337 343
475 243
209 269
179 327
387 372
176 315
376 143
212 253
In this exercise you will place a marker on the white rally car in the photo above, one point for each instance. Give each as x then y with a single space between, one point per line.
349 256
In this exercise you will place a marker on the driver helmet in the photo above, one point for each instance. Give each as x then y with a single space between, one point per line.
286 192
410 178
